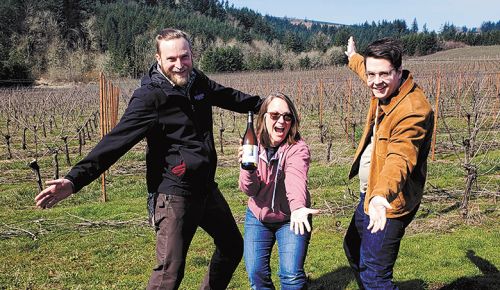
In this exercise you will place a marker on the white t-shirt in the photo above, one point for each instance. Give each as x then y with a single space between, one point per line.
364 167
364 162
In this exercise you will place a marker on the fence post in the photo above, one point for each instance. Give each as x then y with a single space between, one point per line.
436 113
108 115
102 111
348 107
321 110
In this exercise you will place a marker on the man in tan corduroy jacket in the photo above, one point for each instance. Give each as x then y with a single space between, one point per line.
391 162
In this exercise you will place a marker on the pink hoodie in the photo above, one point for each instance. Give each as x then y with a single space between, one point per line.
273 197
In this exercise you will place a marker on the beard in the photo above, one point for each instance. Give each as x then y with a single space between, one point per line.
179 79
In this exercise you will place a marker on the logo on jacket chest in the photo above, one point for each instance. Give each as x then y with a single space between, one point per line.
199 97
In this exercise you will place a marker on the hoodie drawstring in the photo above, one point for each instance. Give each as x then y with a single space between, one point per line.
275 181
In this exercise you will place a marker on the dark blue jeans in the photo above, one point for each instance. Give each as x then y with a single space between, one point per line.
372 256
259 239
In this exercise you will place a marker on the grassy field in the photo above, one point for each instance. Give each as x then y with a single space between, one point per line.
84 243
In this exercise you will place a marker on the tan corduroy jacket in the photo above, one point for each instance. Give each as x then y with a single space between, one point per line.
398 164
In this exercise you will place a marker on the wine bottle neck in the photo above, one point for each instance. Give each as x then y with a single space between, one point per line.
250 118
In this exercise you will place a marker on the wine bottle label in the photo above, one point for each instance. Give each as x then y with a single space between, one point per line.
250 154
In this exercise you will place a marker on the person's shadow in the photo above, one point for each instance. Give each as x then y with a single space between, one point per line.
337 279
490 278
341 277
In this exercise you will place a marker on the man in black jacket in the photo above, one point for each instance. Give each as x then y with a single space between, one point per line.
173 110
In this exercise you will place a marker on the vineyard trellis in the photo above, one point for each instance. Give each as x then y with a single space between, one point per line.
332 103
65 115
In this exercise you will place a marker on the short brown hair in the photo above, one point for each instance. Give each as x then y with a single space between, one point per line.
170 33
263 135
386 48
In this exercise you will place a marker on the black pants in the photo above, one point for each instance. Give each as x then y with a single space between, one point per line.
176 219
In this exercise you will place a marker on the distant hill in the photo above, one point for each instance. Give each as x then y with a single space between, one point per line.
468 52
74 40
309 23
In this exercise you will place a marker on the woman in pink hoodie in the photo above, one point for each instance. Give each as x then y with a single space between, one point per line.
278 204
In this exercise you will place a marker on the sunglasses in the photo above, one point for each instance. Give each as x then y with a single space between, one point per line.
275 116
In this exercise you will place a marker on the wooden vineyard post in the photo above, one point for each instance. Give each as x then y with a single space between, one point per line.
436 113
321 110
115 105
299 97
458 109
102 81
107 102
348 105
497 94
108 110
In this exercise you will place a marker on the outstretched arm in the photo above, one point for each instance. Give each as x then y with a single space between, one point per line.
134 124
296 169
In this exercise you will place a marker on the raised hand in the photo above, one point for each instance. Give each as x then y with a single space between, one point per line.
351 47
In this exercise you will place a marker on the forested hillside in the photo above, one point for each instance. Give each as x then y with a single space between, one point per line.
72 40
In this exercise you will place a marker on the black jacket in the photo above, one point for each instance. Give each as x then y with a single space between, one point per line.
178 127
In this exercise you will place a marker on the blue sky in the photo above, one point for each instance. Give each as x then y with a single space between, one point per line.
434 13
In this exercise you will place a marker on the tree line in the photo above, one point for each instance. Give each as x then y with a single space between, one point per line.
72 40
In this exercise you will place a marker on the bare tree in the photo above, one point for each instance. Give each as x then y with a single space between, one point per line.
474 137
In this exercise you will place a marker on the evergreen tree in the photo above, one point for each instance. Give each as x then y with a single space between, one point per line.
414 26
222 59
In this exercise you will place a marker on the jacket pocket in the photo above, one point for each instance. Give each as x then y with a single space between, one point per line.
186 164
196 163
381 146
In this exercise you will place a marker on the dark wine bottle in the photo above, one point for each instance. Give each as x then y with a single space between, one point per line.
250 149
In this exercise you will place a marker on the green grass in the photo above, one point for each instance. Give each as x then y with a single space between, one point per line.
75 249
70 252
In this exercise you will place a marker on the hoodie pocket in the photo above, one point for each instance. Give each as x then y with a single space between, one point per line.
267 215
187 164
196 163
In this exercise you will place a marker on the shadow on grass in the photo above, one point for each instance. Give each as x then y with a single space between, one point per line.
450 208
490 279
416 284
338 279
341 277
